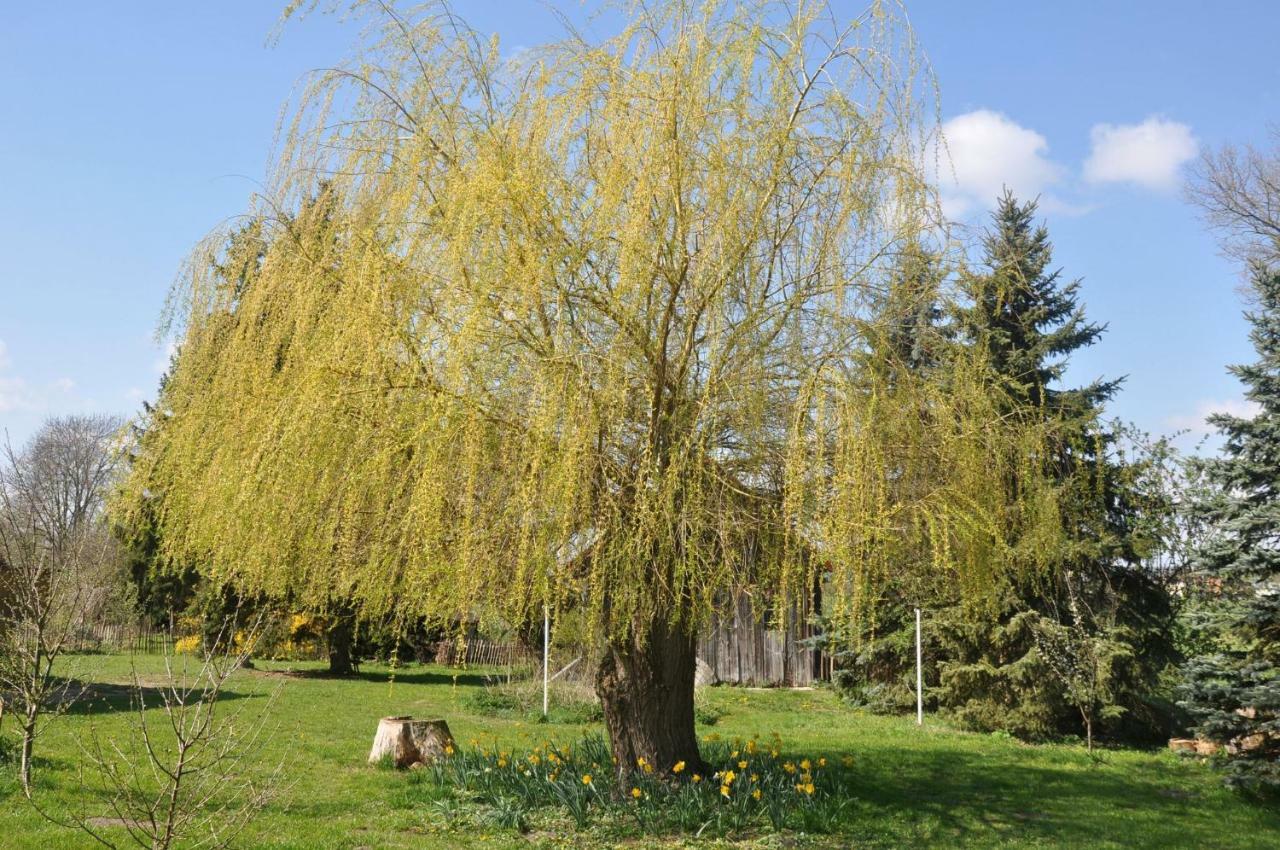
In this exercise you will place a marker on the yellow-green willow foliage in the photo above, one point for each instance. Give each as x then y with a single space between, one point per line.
580 326
917 477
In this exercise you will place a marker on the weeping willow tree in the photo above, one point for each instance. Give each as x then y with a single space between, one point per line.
586 327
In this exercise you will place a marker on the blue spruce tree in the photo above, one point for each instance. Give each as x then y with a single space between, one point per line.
1233 692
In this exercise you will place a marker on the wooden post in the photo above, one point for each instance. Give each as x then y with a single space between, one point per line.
919 676
546 657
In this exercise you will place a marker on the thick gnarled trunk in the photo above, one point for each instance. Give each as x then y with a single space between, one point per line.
646 689
340 636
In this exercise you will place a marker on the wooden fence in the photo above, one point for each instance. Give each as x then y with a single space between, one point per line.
120 637
739 650
479 651
742 650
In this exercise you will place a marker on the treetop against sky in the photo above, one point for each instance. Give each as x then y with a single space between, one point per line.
146 125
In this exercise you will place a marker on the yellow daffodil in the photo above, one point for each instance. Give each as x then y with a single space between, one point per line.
789 767
729 776
755 795
637 793
677 767
806 765
697 778
742 765
586 779
724 790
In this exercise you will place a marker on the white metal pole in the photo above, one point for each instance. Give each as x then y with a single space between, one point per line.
546 655
919 676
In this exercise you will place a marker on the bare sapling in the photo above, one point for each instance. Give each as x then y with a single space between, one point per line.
188 768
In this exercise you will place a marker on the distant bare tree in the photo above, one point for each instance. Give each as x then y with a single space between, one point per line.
1238 190
53 544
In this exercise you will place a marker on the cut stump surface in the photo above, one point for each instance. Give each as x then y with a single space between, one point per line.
407 741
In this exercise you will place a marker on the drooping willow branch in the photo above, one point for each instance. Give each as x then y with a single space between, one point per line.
612 290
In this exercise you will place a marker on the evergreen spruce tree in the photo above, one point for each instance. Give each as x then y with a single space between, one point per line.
1088 644
1233 694
1029 320
906 329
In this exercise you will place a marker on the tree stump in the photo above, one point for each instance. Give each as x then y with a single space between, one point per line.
407 741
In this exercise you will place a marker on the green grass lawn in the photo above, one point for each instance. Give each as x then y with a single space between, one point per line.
930 787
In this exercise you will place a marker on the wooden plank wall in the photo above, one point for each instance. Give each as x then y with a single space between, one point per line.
742 650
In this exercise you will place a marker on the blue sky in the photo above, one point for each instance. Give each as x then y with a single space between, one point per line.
129 130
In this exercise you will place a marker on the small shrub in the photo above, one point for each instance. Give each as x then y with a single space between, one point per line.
704 713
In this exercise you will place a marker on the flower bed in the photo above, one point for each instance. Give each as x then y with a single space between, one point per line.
753 785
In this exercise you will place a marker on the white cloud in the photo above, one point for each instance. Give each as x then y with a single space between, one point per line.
14 395
988 153
1194 423
13 390
1149 154
161 364
19 396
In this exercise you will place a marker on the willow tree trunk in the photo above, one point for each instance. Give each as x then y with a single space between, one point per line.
646 689
341 640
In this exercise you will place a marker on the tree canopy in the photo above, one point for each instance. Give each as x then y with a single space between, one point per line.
595 326
599 297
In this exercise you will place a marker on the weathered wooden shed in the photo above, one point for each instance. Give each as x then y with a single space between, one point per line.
742 648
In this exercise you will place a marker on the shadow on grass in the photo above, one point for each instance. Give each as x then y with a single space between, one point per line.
411 676
952 796
107 697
